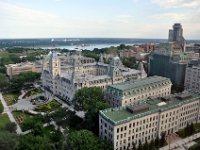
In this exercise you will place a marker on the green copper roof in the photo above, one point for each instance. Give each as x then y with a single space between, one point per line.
121 115
140 83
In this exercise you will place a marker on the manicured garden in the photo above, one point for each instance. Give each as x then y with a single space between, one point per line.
33 92
49 106
25 120
3 120
11 98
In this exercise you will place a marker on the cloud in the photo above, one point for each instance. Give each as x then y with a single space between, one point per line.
124 18
177 3
25 15
170 16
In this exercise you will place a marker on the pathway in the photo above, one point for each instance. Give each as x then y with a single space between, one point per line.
182 144
9 113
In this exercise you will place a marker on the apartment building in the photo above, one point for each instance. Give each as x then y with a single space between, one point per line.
125 126
129 92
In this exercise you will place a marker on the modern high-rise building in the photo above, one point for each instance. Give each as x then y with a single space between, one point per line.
130 92
171 61
129 125
176 36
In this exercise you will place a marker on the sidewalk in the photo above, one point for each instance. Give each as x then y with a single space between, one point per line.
182 144
9 113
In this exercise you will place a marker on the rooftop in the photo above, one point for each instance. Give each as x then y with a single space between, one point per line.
121 115
140 83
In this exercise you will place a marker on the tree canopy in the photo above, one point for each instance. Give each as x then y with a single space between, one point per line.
85 140
87 98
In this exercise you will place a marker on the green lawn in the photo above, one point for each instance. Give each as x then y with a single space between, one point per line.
49 107
11 98
3 120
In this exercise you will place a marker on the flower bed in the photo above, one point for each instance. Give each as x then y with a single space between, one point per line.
11 98
33 92
49 106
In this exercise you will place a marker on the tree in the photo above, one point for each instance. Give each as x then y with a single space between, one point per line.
152 145
8 141
56 136
1 107
38 129
146 146
11 127
133 146
192 129
3 81
130 62
91 121
87 98
122 46
34 143
140 145
82 140
187 130
157 142
162 139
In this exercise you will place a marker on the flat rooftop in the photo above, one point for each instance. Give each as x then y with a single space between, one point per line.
140 83
121 115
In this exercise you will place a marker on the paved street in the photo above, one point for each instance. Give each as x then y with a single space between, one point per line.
10 115
23 105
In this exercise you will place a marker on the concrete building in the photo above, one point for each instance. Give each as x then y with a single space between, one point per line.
170 65
80 72
192 76
123 126
16 69
127 93
176 37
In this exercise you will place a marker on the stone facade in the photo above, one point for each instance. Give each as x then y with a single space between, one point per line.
127 93
64 78
145 121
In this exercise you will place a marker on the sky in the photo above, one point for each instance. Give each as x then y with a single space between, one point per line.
98 18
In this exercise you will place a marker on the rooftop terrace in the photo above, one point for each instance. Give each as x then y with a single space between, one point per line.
146 107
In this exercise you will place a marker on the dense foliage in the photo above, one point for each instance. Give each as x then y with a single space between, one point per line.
8 141
86 98
130 62
1 107
85 140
